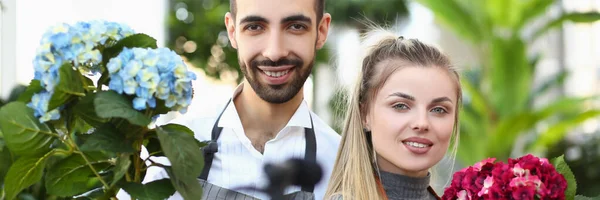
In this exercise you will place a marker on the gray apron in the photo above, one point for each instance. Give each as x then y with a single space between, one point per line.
214 192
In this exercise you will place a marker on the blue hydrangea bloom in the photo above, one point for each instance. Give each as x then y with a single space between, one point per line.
152 74
76 44
39 103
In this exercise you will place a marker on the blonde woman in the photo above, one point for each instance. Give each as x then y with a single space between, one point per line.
402 118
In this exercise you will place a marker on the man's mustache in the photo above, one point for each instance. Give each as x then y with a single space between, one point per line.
280 62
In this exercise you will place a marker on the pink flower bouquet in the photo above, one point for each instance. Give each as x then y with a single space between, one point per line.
527 177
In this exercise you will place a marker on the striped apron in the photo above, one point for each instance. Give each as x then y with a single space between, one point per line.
214 192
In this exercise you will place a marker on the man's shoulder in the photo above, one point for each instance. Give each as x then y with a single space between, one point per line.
323 128
326 136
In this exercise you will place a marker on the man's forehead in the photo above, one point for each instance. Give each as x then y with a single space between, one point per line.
275 9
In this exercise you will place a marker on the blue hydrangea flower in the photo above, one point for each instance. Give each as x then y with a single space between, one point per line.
76 44
152 74
39 103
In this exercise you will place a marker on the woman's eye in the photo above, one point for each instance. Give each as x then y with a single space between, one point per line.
401 106
439 110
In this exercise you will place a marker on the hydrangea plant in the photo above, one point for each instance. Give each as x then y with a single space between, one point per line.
83 138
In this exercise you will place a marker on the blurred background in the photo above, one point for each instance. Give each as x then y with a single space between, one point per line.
530 68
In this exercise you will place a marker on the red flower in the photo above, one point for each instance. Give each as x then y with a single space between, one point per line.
502 173
526 192
556 186
479 165
457 179
450 193
526 177
469 181
497 192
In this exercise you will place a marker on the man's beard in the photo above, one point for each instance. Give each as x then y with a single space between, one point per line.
277 94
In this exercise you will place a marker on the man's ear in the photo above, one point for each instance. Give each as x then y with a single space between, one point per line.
230 25
323 30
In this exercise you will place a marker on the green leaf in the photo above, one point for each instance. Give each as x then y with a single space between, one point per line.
111 104
23 133
121 167
6 160
510 75
455 17
136 40
85 110
181 148
478 102
88 83
69 86
153 147
155 190
34 87
557 131
563 168
564 105
79 126
531 9
504 13
71 176
586 17
187 186
23 173
108 138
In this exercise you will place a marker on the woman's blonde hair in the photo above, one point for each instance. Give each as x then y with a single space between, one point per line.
354 172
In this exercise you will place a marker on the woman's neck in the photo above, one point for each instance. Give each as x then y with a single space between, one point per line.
399 186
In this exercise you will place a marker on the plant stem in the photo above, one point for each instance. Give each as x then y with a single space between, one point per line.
156 164
151 154
91 167
127 176
137 168
136 159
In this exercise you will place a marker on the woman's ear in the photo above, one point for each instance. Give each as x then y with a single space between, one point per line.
364 114
366 122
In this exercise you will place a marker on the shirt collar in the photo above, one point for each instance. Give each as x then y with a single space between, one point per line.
231 119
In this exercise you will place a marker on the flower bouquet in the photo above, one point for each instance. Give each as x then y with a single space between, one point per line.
76 137
527 177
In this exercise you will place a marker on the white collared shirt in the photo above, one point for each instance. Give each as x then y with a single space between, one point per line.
238 164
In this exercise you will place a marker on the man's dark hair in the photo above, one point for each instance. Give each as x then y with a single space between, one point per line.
319 9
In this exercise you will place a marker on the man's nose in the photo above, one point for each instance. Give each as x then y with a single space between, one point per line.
276 46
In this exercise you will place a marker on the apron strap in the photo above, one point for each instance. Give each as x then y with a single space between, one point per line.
310 152
212 147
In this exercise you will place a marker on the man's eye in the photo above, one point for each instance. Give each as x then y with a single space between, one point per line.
253 27
297 27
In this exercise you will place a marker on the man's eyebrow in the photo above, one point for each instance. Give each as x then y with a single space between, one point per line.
253 18
294 18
